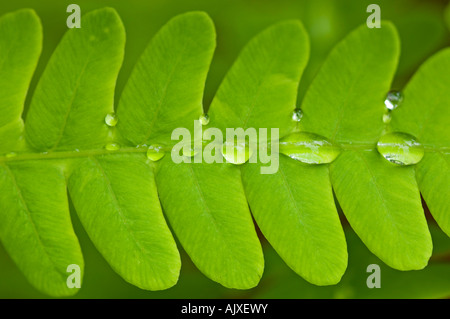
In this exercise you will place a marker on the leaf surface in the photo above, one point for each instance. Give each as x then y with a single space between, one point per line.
165 89
260 90
76 90
116 200
207 209
425 114
295 210
20 47
345 101
382 204
35 225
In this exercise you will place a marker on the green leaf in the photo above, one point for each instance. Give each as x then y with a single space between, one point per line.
260 90
206 207
165 89
20 47
76 90
35 225
345 101
345 104
116 200
295 210
425 114
382 204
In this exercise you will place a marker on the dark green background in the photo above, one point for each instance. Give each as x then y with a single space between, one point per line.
422 32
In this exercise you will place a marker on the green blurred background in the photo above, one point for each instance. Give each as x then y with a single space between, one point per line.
423 31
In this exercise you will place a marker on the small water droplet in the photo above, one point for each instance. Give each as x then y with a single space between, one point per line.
393 99
77 150
112 146
387 117
204 119
239 153
400 148
111 119
11 154
189 151
309 148
155 152
297 115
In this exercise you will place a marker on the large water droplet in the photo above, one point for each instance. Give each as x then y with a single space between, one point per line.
400 148
393 99
204 119
111 119
155 152
297 115
236 152
309 148
112 146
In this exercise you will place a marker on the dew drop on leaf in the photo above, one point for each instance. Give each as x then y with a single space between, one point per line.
387 117
111 119
309 148
11 154
236 152
155 152
112 146
400 148
297 115
189 151
393 99
204 119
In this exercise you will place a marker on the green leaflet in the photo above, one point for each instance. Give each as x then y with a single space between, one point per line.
76 90
345 104
35 225
20 47
216 231
425 114
295 210
382 204
207 210
345 101
165 89
260 90
116 200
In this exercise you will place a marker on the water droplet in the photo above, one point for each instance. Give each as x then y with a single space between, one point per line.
387 117
111 119
393 99
309 148
297 115
155 152
204 119
239 154
11 154
112 146
189 151
400 148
